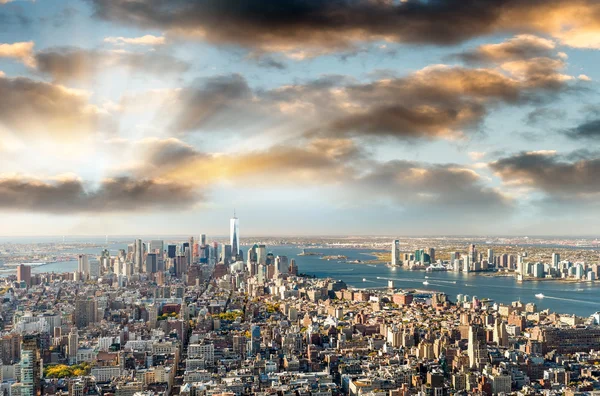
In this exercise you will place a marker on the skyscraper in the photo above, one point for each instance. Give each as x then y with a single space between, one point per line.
156 246
234 235
555 260
83 265
138 254
171 251
151 263
473 253
24 274
396 253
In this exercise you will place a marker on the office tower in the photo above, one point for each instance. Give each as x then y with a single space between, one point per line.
281 265
234 235
396 253
191 253
253 254
73 345
255 339
226 256
490 256
24 274
180 266
431 255
270 258
454 256
94 269
261 255
151 263
293 267
500 333
118 267
477 348
83 265
171 251
31 366
152 315
420 255
156 246
203 239
138 254
473 253
85 312
555 260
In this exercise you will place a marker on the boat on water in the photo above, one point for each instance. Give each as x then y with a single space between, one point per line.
426 277
425 283
364 279
539 295
371 265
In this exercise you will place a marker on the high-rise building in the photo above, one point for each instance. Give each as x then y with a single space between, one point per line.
473 253
24 274
490 257
227 254
255 339
431 255
31 365
171 251
396 253
151 263
73 345
293 267
261 254
555 260
281 265
191 253
83 265
85 312
94 268
234 236
156 246
477 347
138 254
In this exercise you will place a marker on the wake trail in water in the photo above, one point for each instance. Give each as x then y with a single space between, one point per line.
570 299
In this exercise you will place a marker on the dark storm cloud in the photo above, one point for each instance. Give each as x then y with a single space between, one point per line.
77 64
30 107
299 25
112 195
589 130
559 176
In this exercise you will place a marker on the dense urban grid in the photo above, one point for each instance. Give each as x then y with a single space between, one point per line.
202 319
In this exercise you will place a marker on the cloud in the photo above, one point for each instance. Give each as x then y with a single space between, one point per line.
34 108
147 39
520 47
444 189
208 102
589 130
544 114
476 155
77 64
71 195
22 52
304 28
561 177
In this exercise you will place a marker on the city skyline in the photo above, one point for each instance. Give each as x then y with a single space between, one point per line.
395 118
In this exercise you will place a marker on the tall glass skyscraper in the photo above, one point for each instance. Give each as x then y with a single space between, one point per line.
234 235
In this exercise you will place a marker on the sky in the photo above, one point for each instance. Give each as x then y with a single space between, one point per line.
306 117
